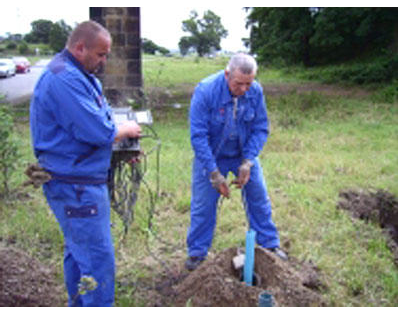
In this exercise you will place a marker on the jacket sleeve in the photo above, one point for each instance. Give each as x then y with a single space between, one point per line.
199 124
259 129
80 112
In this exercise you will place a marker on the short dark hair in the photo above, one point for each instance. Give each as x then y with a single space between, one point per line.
86 31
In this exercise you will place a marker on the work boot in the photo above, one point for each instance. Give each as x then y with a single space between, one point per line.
193 262
279 252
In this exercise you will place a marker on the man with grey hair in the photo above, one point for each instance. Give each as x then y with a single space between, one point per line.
229 126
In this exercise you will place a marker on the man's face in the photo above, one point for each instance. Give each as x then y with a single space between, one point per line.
94 58
238 82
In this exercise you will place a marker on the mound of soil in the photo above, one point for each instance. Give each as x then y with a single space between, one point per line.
380 207
215 283
26 282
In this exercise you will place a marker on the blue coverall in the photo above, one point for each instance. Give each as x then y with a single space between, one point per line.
72 135
221 139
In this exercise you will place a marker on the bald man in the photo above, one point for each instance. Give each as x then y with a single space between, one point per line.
72 134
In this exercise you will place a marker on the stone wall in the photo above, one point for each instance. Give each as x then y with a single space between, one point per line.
122 78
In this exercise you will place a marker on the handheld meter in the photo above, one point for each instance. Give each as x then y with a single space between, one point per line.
125 173
123 114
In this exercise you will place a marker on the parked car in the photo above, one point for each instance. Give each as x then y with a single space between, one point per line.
22 64
7 67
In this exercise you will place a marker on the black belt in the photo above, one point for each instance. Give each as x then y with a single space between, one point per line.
83 180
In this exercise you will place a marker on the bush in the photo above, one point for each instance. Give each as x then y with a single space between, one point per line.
23 48
8 152
11 45
389 94
381 70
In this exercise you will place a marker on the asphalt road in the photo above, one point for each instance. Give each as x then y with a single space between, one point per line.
19 88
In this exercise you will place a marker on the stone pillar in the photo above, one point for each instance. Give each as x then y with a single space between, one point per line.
122 78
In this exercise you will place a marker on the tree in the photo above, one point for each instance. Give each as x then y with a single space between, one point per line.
314 36
349 32
149 47
59 35
40 32
185 44
206 33
280 34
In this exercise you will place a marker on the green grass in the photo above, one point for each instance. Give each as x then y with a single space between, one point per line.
319 145
351 145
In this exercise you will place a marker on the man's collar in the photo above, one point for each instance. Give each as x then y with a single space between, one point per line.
76 62
91 77
226 94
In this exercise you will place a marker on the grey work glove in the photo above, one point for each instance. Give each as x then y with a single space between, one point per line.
243 173
219 183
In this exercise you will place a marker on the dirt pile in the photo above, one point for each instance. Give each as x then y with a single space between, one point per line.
26 282
215 283
380 207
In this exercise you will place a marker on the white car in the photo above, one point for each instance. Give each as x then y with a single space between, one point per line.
7 67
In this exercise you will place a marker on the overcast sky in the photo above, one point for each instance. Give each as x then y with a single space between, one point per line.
161 21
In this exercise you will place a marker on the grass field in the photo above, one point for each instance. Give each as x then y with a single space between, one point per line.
319 145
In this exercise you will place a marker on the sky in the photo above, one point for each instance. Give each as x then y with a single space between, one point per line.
161 23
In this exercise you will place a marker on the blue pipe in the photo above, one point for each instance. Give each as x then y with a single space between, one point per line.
248 268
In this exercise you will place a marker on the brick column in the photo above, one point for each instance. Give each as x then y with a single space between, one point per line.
122 78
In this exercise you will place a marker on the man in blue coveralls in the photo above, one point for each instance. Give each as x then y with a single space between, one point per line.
229 127
72 134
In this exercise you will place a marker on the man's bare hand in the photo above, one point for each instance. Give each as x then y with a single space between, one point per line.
244 174
219 183
129 129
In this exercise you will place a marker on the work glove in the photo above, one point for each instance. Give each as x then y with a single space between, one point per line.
243 173
219 183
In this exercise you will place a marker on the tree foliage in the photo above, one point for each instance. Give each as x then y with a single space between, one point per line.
312 36
206 33
58 35
47 32
40 32
149 47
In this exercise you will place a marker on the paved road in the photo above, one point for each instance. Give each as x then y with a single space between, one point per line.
20 87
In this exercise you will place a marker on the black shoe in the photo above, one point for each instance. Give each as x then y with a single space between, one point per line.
193 262
278 252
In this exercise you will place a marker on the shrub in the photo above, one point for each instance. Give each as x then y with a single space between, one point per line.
23 48
8 152
383 69
388 94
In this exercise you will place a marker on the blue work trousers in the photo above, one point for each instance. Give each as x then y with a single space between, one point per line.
83 212
204 207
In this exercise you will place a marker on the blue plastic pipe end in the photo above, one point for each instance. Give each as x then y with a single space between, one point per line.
248 268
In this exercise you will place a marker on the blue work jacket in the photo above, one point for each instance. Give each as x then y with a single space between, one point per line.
210 113
71 123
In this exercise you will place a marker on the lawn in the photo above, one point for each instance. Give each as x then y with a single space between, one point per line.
319 145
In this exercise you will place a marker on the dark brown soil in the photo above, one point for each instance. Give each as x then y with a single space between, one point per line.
26 282
215 283
380 207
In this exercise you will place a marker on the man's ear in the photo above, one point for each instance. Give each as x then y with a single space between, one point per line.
79 49
226 74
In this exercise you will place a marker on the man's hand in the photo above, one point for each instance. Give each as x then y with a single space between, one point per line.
129 129
219 183
244 173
